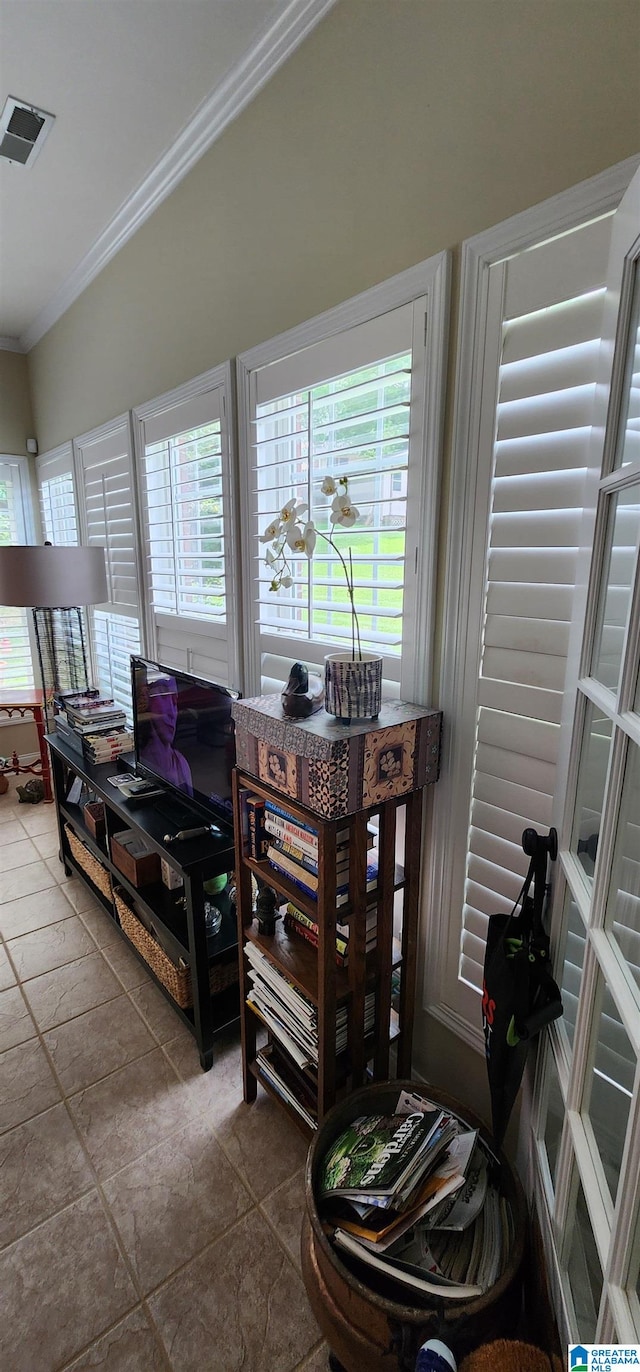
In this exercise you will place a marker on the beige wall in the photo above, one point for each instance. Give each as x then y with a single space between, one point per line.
16 418
399 128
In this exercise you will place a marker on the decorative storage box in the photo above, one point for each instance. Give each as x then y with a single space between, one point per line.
333 768
140 865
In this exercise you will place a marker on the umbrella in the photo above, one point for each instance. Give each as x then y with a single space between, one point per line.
519 995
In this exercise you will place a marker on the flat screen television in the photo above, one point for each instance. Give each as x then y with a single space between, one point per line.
184 736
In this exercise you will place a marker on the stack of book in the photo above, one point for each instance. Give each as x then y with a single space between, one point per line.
291 847
296 922
289 1015
408 1196
94 726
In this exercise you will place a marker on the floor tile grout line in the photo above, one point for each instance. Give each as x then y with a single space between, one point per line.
199 1111
36 1033
304 1362
193 1257
67 1097
281 1242
86 1348
52 1028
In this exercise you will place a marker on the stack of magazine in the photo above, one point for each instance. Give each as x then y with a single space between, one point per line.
409 1196
292 1020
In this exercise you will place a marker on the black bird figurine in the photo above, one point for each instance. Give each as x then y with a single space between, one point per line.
302 695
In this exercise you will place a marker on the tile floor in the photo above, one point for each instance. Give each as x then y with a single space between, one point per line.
149 1220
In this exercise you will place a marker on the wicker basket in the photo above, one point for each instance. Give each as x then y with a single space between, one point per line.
85 859
176 980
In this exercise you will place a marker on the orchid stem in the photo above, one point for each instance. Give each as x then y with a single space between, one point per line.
349 580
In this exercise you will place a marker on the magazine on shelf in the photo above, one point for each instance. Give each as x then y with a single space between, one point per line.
275 1078
289 1083
282 986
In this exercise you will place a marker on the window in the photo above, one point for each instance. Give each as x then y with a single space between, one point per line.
186 499
546 389
355 425
115 638
528 374
345 395
595 1056
57 496
186 533
526 386
108 519
16 669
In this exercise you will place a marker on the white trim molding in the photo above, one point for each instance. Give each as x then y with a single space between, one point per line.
238 88
474 406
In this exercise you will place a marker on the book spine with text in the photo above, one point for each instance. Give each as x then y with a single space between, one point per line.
255 821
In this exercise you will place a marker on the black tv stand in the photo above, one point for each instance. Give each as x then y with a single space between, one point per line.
179 816
175 916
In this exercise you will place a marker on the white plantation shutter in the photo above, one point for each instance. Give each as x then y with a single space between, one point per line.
187 510
57 497
551 338
115 638
108 520
339 408
16 668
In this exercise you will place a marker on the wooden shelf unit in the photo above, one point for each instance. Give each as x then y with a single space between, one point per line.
178 915
314 971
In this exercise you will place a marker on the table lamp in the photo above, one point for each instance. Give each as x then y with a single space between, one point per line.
55 583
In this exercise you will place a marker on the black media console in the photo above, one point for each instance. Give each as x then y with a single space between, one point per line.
177 916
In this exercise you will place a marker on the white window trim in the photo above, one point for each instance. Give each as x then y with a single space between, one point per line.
430 279
28 505
218 378
472 455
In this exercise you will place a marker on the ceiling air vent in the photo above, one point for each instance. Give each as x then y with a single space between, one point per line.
23 130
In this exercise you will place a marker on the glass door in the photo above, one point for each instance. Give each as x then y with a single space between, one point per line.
588 1144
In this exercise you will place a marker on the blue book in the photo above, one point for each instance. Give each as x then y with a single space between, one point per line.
292 819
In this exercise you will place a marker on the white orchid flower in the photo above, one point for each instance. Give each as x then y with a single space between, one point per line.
272 530
302 540
328 486
343 512
286 581
270 558
310 538
292 511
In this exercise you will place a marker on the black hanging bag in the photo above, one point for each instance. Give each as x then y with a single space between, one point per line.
519 994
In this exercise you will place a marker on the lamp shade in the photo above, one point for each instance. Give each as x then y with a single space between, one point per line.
54 578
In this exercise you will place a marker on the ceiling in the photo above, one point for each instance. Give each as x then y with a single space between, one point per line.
140 89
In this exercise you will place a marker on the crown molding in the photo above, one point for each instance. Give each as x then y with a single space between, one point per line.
221 106
11 345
